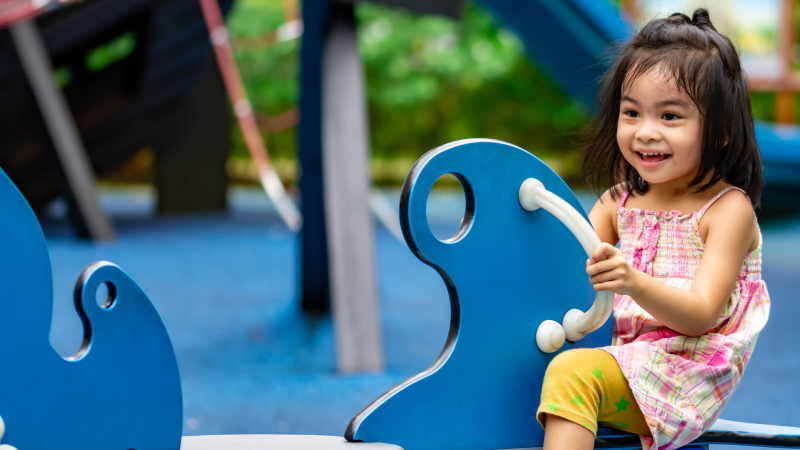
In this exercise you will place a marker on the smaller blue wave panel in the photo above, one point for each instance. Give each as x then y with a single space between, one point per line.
121 390
506 271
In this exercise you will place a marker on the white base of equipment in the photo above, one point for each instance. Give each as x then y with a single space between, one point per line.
277 441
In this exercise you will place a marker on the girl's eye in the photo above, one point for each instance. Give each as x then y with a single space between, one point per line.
670 116
631 113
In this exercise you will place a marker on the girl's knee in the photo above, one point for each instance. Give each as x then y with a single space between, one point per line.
570 360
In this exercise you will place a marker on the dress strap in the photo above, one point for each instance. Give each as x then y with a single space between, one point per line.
716 197
624 197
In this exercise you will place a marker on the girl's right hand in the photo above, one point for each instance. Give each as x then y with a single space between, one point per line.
608 270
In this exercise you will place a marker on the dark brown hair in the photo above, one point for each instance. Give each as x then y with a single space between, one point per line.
704 64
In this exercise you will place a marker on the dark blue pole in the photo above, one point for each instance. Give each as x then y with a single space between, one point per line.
313 263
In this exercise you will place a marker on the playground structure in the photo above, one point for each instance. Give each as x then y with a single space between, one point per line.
333 147
337 255
337 259
157 87
475 396
345 131
509 270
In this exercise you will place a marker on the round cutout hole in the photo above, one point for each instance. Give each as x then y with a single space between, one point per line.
106 295
450 207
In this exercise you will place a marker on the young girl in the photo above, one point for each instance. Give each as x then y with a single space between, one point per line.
675 143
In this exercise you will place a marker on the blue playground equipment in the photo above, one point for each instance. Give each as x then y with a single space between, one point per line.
510 270
505 270
121 389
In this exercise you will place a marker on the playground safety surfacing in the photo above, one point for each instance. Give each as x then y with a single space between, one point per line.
225 285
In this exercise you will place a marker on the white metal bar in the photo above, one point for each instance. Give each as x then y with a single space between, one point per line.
349 226
576 324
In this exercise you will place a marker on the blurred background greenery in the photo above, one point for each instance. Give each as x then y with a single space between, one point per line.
430 80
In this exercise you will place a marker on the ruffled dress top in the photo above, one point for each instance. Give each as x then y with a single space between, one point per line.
681 383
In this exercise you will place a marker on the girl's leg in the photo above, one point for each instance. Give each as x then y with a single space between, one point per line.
582 387
566 434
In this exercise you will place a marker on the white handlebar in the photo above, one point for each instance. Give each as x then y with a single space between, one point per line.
576 323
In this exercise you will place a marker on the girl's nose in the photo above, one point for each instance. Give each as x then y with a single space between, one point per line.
648 131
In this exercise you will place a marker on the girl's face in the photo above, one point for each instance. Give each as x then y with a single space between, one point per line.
659 128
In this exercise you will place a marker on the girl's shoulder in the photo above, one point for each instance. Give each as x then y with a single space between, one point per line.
609 202
730 209
604 214
729 200
613 197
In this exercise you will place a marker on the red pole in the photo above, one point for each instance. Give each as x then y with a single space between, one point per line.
244 115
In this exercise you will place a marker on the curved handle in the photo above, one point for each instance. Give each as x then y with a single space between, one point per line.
576 323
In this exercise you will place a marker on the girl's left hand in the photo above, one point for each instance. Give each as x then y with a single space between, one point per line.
609 271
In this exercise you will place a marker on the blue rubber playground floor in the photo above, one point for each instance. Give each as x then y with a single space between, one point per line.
251 362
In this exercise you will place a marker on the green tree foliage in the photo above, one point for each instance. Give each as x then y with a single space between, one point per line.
430 80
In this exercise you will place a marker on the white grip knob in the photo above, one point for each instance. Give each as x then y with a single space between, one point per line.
576 324
550 336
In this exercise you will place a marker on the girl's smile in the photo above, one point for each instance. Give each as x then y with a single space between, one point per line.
651 159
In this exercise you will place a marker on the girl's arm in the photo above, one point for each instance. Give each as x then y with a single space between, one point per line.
732 231
604 218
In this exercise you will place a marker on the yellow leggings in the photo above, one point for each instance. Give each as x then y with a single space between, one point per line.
586 386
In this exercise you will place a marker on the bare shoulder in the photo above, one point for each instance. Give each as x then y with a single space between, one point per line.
734 212
604 216
733 205
606 205
609 201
